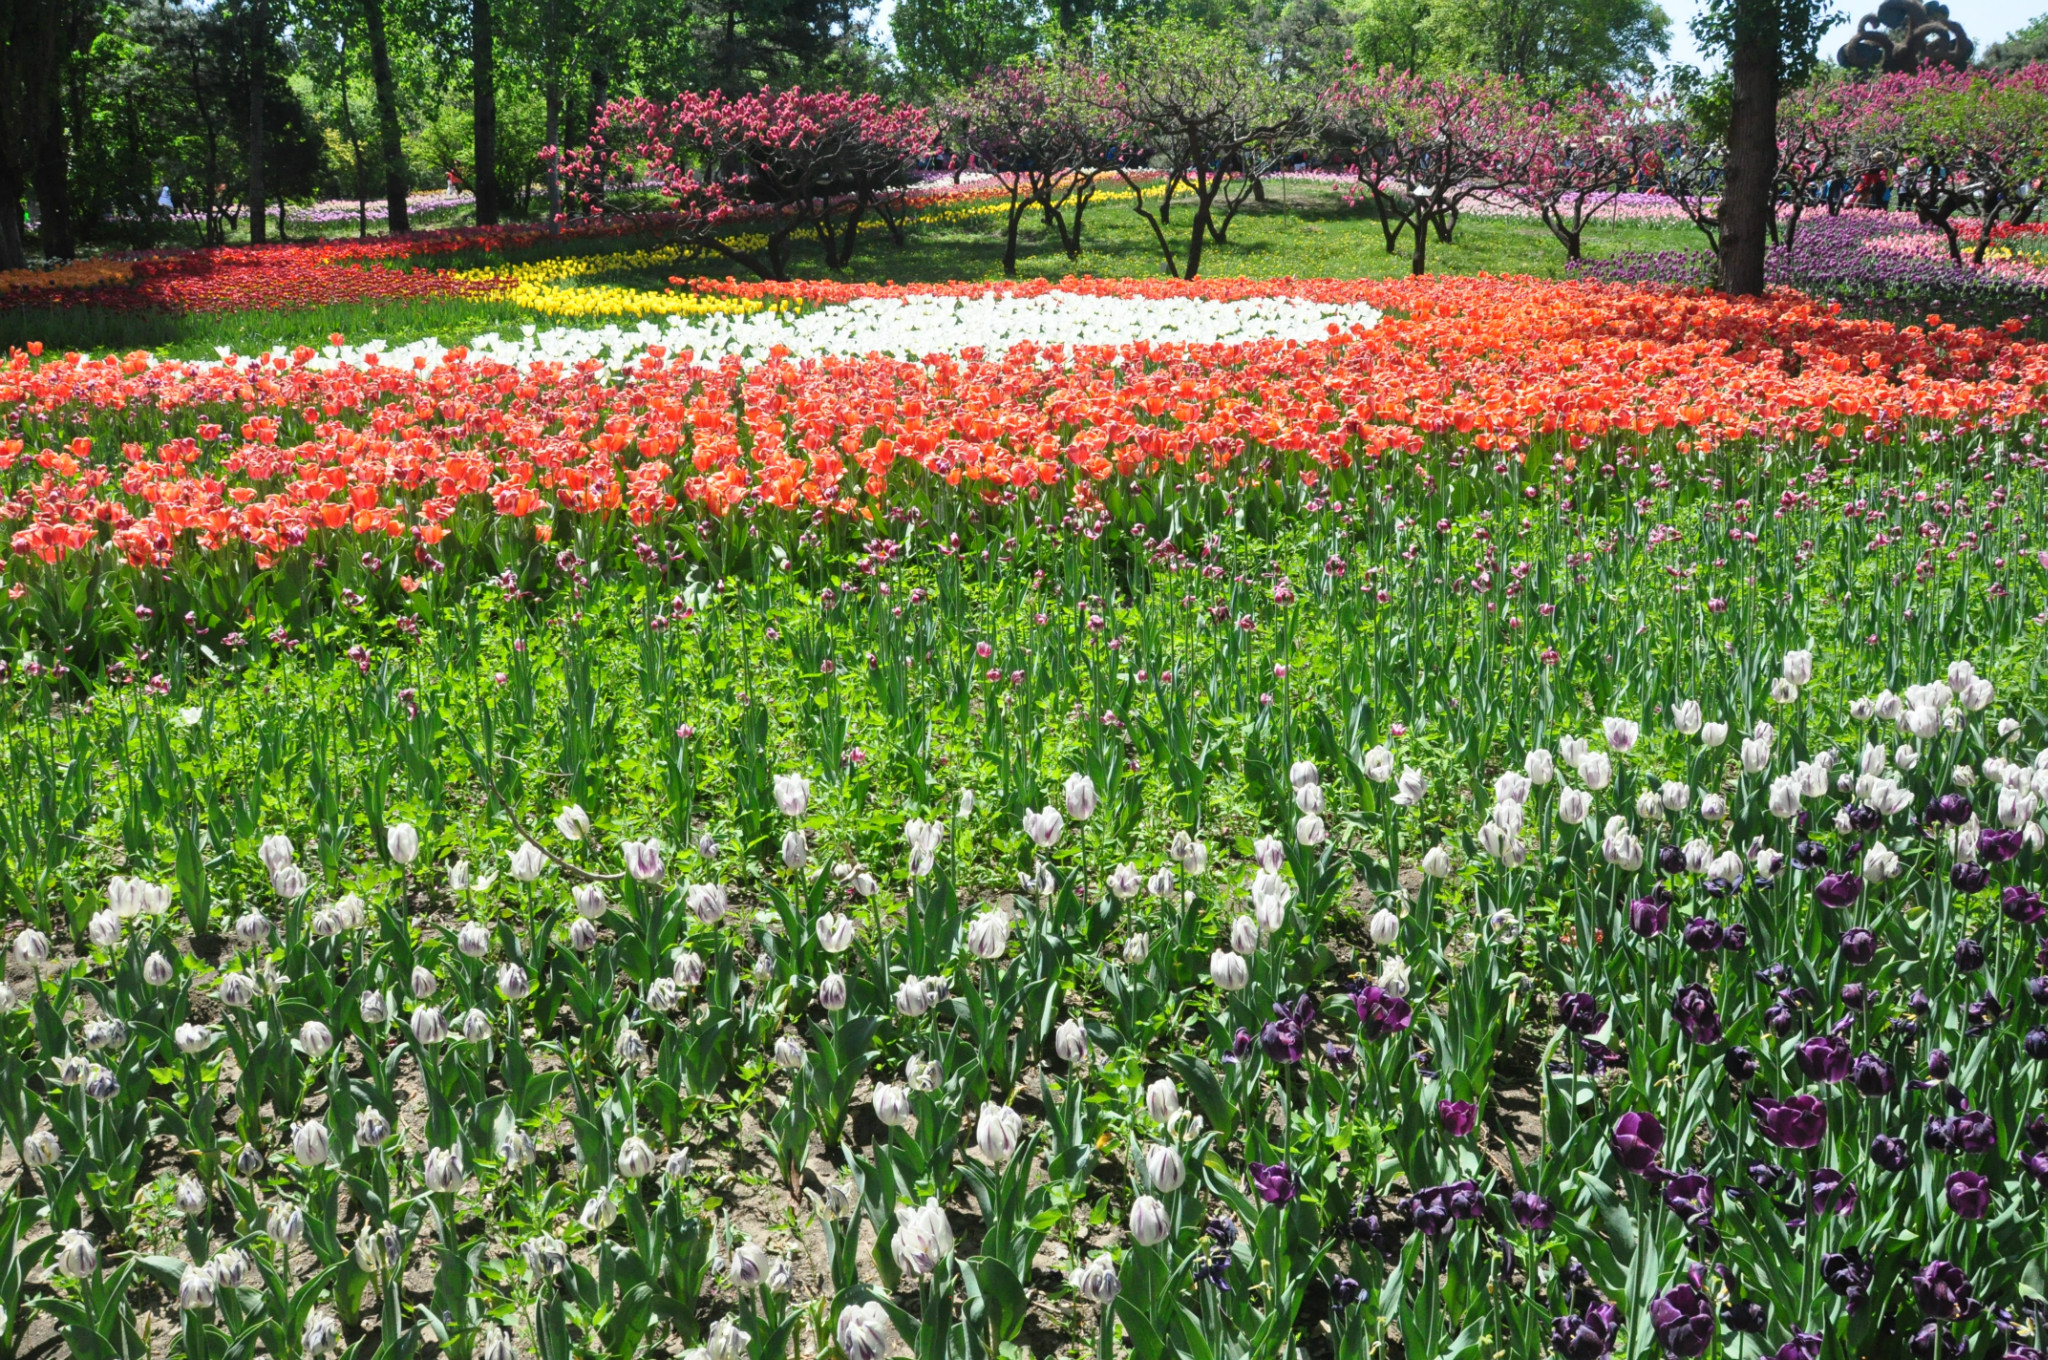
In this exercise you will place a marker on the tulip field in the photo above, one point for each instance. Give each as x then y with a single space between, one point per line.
1426 819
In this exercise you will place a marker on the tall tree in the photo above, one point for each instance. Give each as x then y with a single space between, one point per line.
396 180
483 88
259 49
944 44
1770 46
32 50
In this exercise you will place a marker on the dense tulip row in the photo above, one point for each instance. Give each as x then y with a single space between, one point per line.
1514 829
314 273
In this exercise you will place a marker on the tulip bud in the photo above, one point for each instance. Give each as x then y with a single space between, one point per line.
1149 1223
689 969
832 992
865 1331
513 983
573 822
796 851
157 970
998 1132
582 936
322 1337
442 1170
402 840
892 1105
1162 1101
1070 1041
195 1290
635 1159
77 1256
429 1026
1384 928
1164 1169
1097 1281
310 1143
1081 798
1228 970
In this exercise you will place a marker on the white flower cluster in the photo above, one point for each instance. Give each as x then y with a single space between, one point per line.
909 327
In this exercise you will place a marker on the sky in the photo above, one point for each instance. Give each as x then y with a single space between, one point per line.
1986 21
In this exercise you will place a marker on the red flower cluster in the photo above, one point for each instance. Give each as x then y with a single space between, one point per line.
1476 374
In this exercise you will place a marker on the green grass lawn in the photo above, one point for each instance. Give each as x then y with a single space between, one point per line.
1301 231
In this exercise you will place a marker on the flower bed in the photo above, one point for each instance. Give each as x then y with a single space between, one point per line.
1514 826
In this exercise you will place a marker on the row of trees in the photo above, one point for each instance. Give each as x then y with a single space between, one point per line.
1190 120
237 106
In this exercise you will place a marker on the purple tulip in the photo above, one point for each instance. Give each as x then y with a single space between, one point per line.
1739 1063
1968 1194
2035 1164
1973 1132
1982 1014
1872 1075
1457 1117
1746 1316
1943 1291
1438 1207
1802 1346
1969 955
1734 937
1282 1041
1600 1057
1800 1122
1890 1154
1809 854
1683 1321
1996 845
1702 934
1825 1057
1647 916
1670 860
1381 1014
2035 1044
1534 1213
1696 1014
1847 1274
2022 905
1579 1013
1637 1140
1968 878
1948 809
1690 1196
1274 1183
1937 1064
2037 990
1586 1336
1839 890
1859 946
1832 1193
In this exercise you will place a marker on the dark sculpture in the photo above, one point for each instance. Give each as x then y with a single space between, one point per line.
1930 38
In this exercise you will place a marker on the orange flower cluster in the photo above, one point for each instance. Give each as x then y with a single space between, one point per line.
1465 373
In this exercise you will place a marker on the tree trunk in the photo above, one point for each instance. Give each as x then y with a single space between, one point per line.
481 76
53 180
1752 162
259 41
12 253
392 149
554 134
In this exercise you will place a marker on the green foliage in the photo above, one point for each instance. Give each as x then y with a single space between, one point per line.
1561 46
946 43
